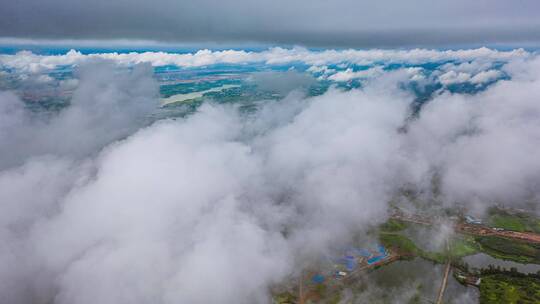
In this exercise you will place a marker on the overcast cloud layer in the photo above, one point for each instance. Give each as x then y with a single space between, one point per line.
308 22
98 207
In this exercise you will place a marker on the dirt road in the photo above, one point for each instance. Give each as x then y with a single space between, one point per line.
474 229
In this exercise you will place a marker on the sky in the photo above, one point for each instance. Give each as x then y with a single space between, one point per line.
102 202
338 23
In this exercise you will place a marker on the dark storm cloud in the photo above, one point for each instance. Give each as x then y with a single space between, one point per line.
314 22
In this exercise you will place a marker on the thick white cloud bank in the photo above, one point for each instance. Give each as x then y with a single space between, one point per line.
216 207
105 106
28 62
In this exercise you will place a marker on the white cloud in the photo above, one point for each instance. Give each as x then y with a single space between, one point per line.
99 207
454 77
187 206
486 76
105 107
349 74
477 65
323 70
28 62
484 143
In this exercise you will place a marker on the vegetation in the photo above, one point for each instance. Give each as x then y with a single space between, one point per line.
320 289
459 247
402 244
407 248
393 226
458 276
509 287
516 221
463 246
285 298
417 297
507 249
335 298
436 257
508 222
497 286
